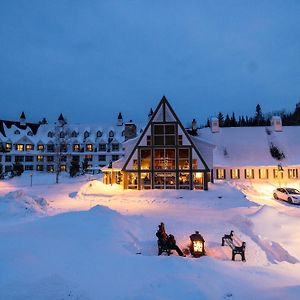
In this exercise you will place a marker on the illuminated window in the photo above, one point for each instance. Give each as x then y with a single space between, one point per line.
184 159
40 158
50 168
235 173
221 174
164 159
263 174
63 168
20 147
76 147
292 173
41 147
89 147
40 168
8 146
249 173
145 159
29 147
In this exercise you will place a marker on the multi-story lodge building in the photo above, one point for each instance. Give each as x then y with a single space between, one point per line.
163 154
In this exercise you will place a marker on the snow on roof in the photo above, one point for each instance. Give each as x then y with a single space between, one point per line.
250 146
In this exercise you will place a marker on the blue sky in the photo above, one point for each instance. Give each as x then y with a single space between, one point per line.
92 59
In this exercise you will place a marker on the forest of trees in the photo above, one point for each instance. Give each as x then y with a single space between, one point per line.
258 119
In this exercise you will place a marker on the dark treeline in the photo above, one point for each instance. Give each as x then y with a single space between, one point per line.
258 119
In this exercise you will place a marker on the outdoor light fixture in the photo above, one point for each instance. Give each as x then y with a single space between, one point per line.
197 244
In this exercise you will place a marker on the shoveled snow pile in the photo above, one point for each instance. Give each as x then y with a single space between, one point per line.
19 204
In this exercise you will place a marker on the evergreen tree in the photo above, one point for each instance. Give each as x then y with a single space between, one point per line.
259 118
74 168
85 165
233 122
18 169
227 121
207 123
221 119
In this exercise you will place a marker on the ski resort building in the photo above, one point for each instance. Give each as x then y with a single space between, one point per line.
163 154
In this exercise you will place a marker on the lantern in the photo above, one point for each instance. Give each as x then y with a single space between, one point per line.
197 244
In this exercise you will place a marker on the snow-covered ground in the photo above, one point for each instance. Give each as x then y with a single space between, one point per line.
80 239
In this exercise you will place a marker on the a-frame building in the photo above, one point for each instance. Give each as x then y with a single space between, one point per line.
164 156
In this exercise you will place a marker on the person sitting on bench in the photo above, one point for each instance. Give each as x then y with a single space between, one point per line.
162 238
172 245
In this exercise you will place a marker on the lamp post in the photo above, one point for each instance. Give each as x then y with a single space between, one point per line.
197 244
111 172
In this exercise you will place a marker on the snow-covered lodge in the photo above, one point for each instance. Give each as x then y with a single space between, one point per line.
163 154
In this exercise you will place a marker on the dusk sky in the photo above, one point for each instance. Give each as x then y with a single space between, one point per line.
92 59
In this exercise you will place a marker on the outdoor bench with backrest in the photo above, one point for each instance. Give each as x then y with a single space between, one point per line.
237 246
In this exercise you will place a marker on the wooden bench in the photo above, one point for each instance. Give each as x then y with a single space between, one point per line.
236 244
163 247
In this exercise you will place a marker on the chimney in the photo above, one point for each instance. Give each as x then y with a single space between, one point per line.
22 119
120 120
194 125
214 125
276 123
130 130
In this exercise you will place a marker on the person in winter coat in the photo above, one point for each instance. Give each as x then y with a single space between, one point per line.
172 245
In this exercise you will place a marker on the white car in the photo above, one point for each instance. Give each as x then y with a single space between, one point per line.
290 195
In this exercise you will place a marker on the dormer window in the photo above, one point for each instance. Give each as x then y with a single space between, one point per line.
8 146
50 134
30 133
62 135
20 147
76 147
17 131
40 147
89 147
86 134
29 147
111 134
102 147
99 133
74 134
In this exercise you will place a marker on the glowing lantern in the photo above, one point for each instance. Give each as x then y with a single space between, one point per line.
197 244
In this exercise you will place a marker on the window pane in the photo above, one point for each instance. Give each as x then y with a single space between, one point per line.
170 129
158 129
159 140
170 139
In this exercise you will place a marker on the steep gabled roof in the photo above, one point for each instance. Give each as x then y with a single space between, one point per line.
165 113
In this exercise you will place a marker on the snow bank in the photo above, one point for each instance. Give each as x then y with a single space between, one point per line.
19 205
277 233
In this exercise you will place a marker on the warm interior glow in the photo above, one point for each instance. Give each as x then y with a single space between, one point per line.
198 246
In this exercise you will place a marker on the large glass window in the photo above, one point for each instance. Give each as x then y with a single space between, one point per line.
145 159
164 159
20 147
198 180
184 180
29 147
132 180
164 134
165 180
145 180
184 159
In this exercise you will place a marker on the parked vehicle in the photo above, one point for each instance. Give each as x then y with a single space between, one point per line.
290 195
7 175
